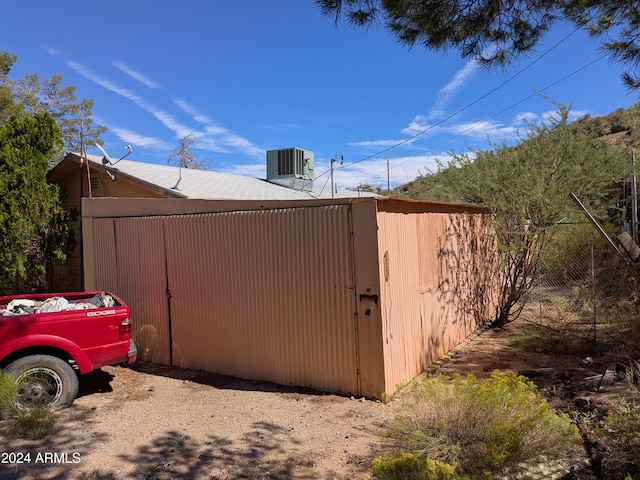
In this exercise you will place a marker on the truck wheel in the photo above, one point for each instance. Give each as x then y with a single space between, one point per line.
44 381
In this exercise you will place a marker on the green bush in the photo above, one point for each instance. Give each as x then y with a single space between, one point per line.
622 431
8 395
482 426
412 467
33 423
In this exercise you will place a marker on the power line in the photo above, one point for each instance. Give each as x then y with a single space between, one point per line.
469 105
457 112
506 109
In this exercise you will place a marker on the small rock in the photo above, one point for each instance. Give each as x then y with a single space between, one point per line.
584 404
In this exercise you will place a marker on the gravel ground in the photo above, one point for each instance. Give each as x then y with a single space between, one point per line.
154 422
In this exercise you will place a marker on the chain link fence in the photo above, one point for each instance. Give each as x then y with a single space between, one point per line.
579 277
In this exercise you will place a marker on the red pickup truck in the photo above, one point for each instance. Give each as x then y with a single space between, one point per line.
48 340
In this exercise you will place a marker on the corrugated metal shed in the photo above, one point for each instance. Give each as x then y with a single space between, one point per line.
355 296
144 180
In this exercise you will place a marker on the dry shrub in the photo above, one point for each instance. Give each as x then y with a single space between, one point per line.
34 424
621 433
482 426
412 467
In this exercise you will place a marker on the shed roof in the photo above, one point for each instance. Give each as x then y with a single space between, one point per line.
203 184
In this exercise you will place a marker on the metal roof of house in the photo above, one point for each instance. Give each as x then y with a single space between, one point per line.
205 184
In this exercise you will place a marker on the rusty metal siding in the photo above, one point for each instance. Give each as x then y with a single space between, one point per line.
435 270
130 261
265 295
370 355
438 306
143 282
459 283
400 298
105 260
355 297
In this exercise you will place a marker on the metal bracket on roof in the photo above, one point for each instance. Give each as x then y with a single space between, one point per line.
106 159
175 187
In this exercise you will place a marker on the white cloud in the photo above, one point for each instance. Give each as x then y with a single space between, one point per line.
553 115
212 129
187 108
257 170
143 141
374 172
450 89
475 130
418 125
135 74
244 145
531 117
212 137
381 143
206 142
54 52
575 114
526 117
224 137
165 118
485 129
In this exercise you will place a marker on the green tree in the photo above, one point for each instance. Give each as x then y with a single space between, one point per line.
31 95
33 227
495 32
527 189
8 107
73 117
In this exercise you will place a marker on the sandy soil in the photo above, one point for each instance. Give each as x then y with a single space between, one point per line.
153 422
157 422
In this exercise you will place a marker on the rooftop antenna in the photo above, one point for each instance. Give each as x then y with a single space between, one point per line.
333 185
106 160
175 187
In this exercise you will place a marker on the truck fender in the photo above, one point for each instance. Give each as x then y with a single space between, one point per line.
33 341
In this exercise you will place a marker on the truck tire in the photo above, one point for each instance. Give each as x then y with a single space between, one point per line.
44 381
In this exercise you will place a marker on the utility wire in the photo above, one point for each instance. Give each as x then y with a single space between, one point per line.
537 92
457 112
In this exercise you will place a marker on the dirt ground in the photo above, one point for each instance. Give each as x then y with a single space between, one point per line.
153 422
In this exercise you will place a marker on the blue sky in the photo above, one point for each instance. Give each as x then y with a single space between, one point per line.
251 75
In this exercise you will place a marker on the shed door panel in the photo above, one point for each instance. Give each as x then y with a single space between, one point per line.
143 276
135 246
265 295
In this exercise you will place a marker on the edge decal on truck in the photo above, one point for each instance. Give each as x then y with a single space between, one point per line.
100 312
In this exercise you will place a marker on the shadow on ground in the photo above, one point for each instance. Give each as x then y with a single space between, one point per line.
56 456
223 382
